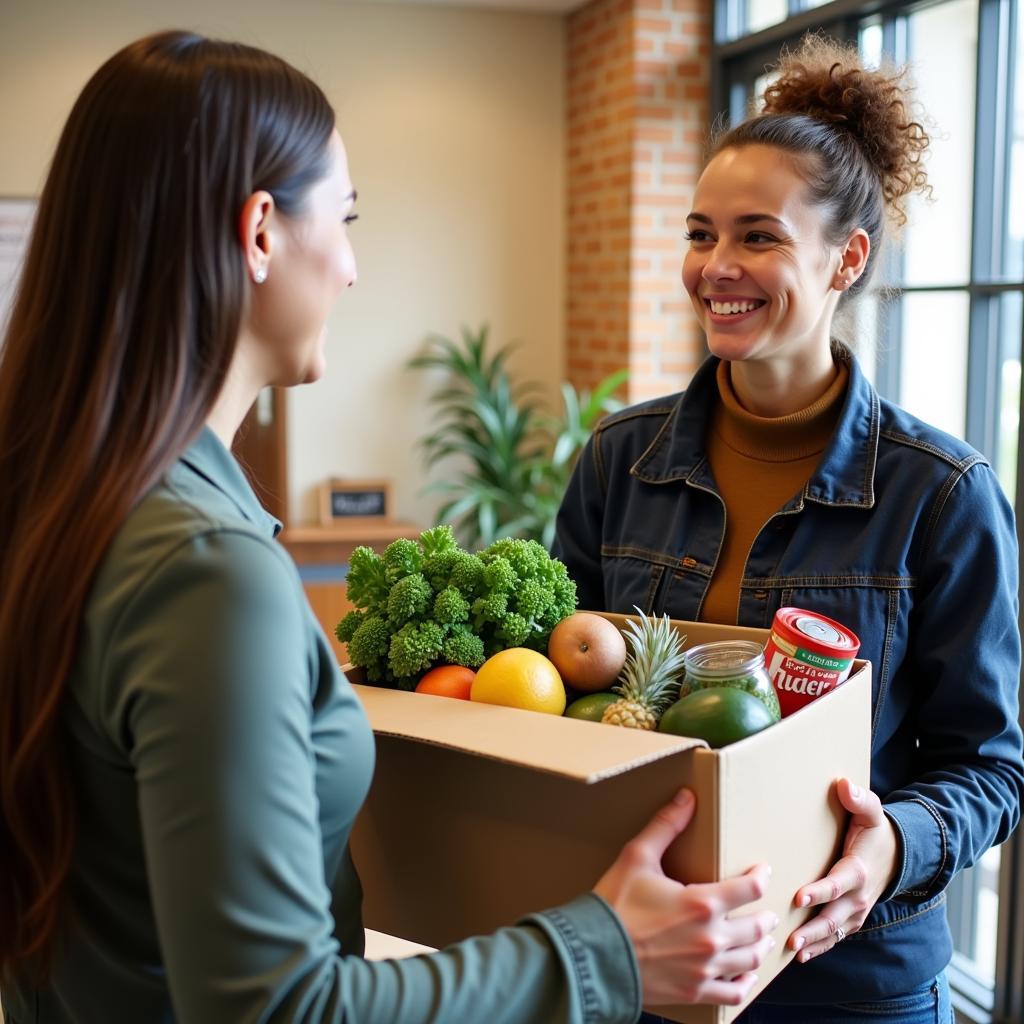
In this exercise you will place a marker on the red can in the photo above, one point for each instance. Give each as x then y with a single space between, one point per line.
807 655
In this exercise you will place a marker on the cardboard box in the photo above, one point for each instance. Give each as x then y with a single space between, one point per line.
387 947
479 814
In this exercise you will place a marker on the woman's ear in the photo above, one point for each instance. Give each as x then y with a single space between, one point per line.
853 261
254 235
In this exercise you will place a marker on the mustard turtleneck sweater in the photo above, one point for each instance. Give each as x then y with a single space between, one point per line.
759 463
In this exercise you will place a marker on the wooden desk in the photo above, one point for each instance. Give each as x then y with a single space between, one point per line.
322 554
319 545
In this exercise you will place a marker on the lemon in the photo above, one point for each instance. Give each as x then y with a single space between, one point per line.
520 678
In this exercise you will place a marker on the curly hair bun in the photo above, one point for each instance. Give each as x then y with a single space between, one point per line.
827 81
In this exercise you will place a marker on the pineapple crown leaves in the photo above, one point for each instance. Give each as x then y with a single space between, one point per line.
654 663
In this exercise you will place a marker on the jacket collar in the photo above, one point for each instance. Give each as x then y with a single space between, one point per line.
845 475
208 457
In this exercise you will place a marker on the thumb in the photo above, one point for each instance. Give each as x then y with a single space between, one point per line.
865 807
656 836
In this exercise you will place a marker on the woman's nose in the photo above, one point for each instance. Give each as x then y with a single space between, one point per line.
720 265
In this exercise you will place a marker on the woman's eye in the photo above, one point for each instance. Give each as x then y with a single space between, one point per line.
758 238
351 218
696 236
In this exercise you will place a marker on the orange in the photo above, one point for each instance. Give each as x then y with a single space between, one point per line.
448 681
588 651
520 678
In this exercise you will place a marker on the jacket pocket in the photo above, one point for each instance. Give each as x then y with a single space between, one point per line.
875 608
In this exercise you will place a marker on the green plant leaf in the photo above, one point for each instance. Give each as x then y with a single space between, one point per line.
516 458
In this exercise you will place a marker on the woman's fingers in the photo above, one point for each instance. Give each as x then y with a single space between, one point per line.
687 947
656 836
726 993
737 891
862 803
846 875
748 929
822 931
743 958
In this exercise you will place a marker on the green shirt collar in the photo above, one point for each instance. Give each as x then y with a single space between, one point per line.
208 457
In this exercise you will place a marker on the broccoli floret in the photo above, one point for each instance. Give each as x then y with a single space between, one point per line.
438 540
528 559
564 598
409 598
438 568
541 596
490 608
467 575
369 645
450 607
367 583
500 577
514 630
346 629
533 599
402 557
414 647
463 647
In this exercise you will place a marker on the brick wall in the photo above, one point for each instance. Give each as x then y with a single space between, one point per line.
637 115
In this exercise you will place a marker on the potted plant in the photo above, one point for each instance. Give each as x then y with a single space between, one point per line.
515 457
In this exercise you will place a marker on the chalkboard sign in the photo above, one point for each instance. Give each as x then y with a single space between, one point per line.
354 501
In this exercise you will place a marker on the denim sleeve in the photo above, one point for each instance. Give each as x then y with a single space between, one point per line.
215 712
578 528
511 976
965 653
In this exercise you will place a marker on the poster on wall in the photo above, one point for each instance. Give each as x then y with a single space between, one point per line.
16 216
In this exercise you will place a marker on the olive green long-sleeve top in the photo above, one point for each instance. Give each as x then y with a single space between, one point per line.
220 759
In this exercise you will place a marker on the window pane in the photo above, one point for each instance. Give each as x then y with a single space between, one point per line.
762 13
870 43
943 49
973 912
1013 259
1010 327
933 358
760 84
864 333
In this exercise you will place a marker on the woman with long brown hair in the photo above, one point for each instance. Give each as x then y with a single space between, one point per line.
180 759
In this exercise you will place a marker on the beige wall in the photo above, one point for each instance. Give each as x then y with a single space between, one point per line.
454 121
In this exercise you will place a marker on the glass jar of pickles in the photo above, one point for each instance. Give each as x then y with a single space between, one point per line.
738 663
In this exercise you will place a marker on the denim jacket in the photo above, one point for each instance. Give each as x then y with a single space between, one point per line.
903 534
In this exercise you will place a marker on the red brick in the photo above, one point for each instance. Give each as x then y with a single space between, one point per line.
658 26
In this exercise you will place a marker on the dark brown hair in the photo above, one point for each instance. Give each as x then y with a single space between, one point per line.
121 334
851 131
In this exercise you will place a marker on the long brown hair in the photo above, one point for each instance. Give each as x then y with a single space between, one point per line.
121 334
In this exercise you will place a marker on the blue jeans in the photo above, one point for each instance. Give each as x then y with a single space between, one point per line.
927 1004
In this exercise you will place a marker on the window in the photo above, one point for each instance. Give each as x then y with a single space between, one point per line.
941 332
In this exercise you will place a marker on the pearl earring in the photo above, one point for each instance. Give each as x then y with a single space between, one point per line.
259 275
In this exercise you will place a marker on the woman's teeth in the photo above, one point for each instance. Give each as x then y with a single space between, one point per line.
725 308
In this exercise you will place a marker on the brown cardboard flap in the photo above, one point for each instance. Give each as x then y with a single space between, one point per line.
694 633
528 739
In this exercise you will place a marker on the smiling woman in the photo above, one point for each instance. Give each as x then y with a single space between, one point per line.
780 478
763 278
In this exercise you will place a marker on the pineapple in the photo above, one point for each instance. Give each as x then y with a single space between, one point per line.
651 675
